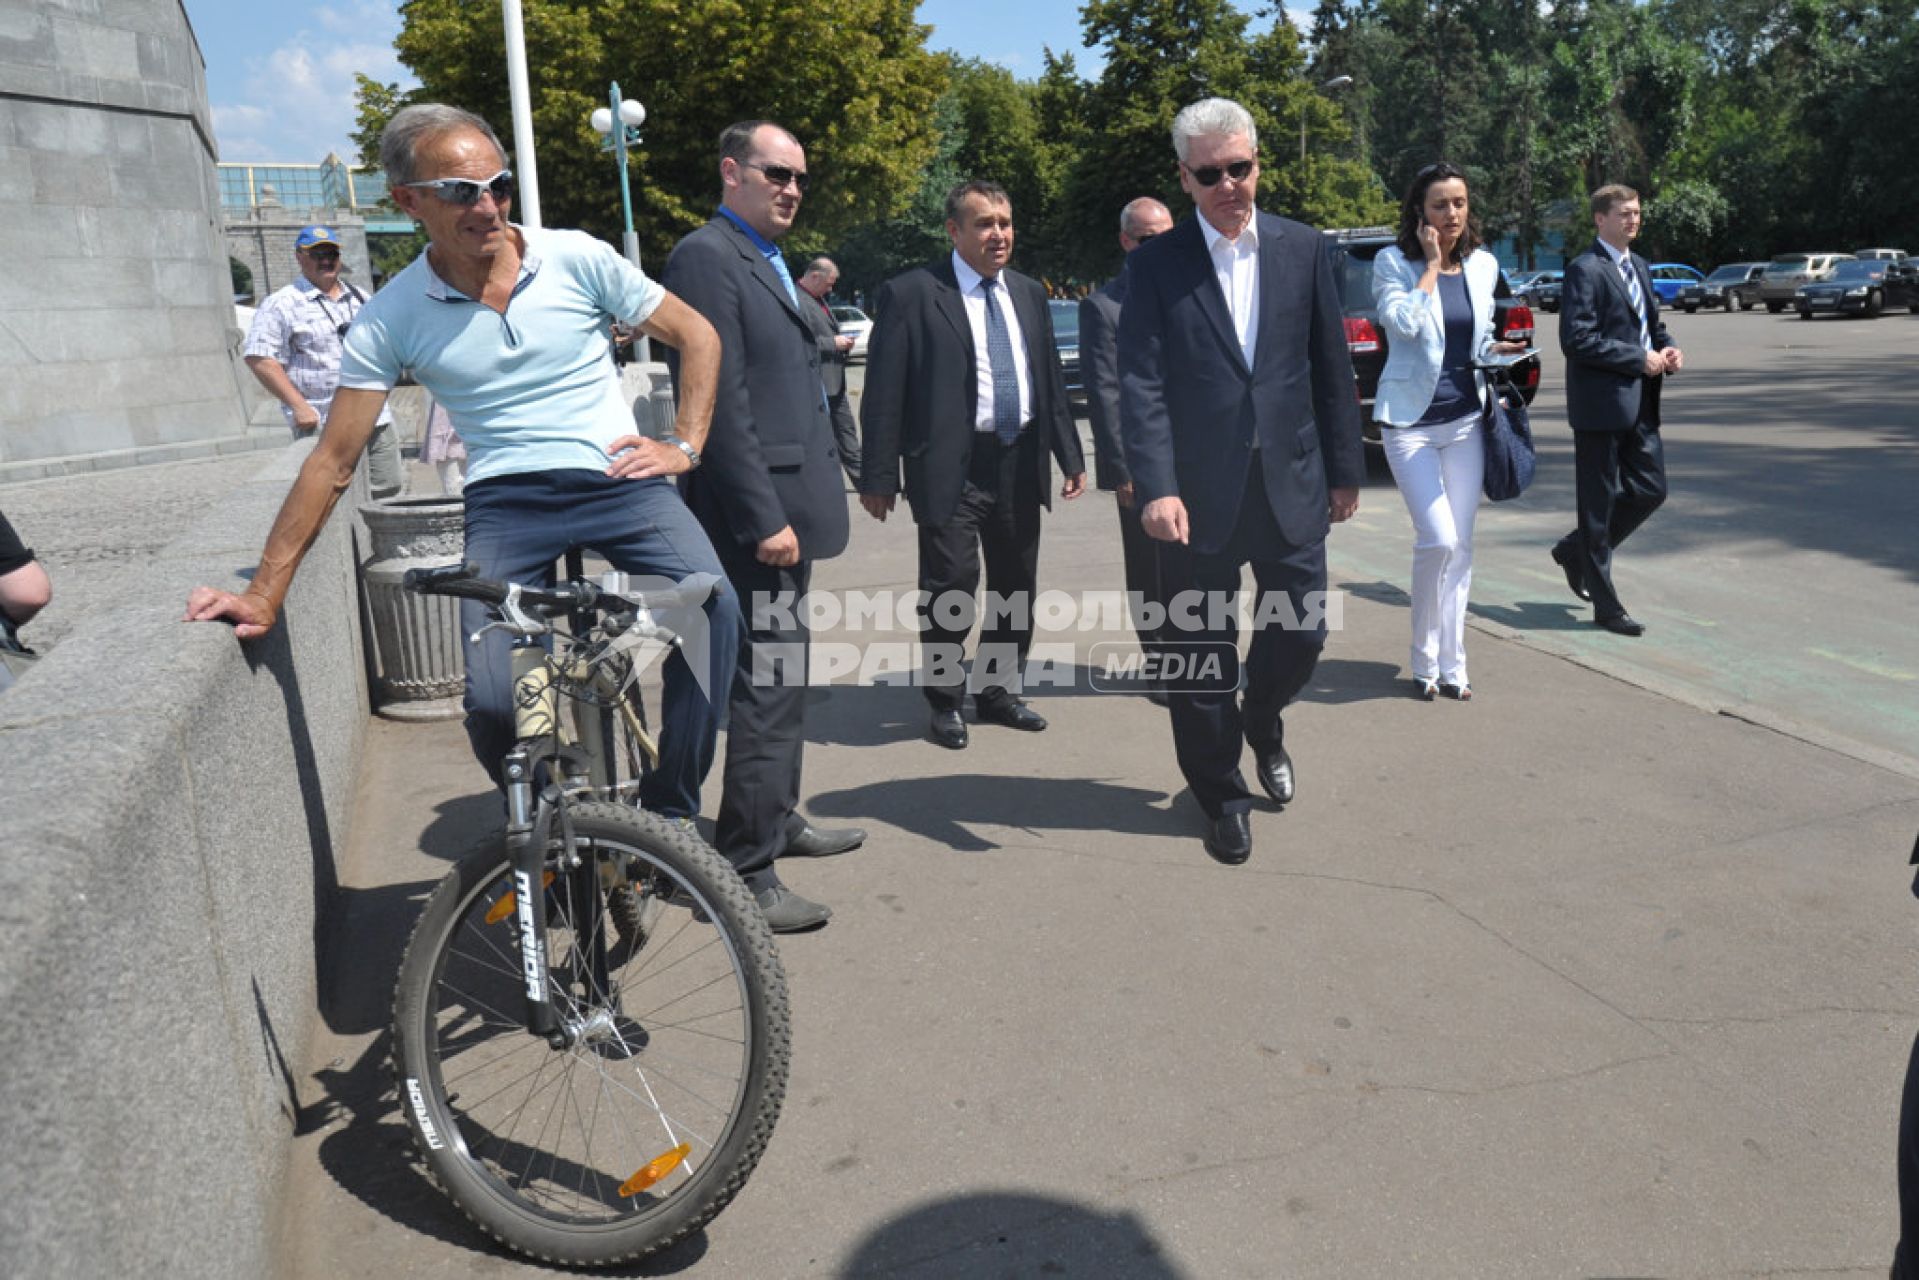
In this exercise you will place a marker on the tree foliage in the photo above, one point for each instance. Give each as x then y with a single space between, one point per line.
1750 126
853 80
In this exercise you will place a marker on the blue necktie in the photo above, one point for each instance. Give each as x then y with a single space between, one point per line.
1638 301
999 358
786 277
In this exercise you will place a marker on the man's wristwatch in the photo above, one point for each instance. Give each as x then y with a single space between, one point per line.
692 454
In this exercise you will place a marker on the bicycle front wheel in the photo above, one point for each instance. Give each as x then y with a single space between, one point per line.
651 1118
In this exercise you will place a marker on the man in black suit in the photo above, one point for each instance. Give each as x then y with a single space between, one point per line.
1242 435
769 495
1617 354
1139 221
817 282
964 392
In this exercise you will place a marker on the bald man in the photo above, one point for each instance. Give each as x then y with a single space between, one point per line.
1139 221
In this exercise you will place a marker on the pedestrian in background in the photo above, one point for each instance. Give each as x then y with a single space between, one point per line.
1099 310
1618 354
817 283
25 590
294 346
441 448
1433 289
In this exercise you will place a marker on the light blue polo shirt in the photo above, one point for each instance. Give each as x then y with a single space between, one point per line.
534 389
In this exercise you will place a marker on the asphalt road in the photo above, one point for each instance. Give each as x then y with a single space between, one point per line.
1574 979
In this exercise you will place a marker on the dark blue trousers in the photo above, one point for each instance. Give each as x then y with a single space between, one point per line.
516 528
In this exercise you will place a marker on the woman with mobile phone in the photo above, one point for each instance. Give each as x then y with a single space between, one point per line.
1433 290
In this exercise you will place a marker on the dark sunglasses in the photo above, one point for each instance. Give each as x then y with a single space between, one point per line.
779 175
1209 175
465 192
322 255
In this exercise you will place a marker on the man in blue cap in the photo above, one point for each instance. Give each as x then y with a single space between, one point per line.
294 349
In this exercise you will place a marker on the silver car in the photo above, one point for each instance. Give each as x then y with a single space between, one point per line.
1779 287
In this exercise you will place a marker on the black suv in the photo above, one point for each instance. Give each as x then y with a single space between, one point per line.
1353 254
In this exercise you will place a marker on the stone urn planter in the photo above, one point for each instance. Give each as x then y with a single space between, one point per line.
419 669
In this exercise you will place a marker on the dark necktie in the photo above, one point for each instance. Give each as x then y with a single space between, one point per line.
999 358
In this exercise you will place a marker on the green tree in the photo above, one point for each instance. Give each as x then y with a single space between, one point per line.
374 103
852 80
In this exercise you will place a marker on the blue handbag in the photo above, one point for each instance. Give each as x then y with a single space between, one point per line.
1508 436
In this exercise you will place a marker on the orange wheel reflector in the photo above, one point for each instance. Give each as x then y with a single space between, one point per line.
655 1170
504 907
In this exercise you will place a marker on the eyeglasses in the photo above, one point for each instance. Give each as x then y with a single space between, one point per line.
779 175
465 192
322 255
1209 175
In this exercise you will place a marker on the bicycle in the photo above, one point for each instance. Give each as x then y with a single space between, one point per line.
590 1024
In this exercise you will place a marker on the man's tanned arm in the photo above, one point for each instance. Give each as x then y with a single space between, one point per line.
323 478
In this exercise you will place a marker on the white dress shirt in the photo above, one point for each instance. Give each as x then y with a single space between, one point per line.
975 298
1236 264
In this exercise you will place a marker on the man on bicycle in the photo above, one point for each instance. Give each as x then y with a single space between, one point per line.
506 326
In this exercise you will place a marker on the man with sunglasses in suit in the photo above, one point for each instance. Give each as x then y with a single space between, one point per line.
965 395
1618 354
506 326
770 497
293 348
1242 436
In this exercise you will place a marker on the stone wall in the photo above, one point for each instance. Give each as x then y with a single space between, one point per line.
175 801
117 341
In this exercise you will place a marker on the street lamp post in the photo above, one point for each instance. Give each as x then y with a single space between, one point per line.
1337 82
631 115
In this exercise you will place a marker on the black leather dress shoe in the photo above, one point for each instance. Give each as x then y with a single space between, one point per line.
787 912
949 730
1276 775
1012 713
1575 576
813 842
1622 624
1229 838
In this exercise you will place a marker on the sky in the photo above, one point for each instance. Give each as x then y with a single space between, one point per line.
280 76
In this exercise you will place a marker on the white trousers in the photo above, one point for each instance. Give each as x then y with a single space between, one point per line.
1439 470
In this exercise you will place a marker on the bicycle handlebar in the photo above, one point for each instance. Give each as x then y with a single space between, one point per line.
460 580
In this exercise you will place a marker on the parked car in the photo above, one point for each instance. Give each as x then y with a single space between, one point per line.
1544 292
1734 286
1066 338
1353 254
1902 284
1779 286
1883 255
854 323
1526 284
1668 278
1857 285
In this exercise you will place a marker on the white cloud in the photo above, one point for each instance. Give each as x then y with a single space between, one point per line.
296 102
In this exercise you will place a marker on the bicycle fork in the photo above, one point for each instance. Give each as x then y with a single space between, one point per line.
529 833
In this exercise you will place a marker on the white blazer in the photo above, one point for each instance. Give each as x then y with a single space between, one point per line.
1415 329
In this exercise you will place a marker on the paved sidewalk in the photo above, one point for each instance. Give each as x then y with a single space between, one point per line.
1571 980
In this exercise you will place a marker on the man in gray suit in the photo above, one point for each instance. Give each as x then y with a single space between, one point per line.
1617 354
1139 221
817 284
769 496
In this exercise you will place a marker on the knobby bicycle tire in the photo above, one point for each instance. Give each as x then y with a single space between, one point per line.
679 1078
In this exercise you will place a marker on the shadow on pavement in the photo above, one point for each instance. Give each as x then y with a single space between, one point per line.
946 810
1009 1233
